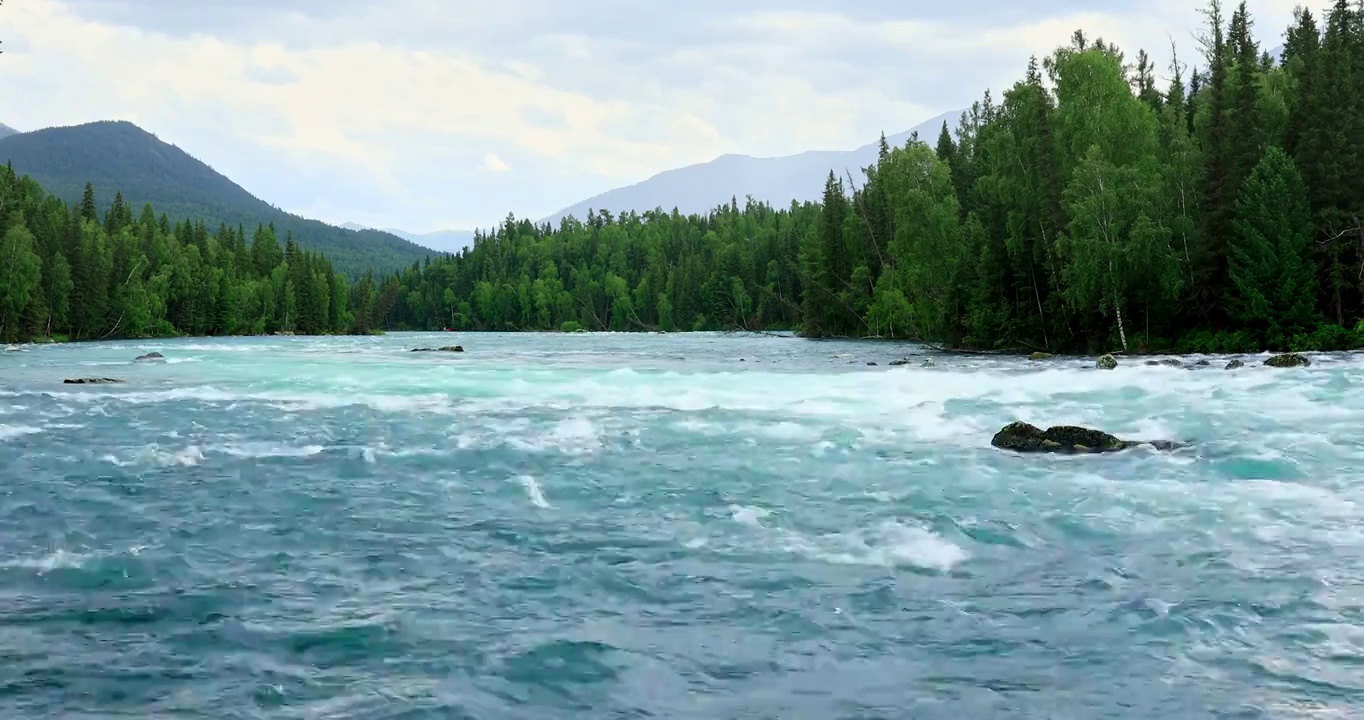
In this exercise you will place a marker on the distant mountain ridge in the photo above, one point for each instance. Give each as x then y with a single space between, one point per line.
6 131
776 180
117 156
446 241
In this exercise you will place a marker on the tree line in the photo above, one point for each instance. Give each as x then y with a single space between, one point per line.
1091 207
69 274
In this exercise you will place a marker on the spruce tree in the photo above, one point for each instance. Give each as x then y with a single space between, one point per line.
1271 270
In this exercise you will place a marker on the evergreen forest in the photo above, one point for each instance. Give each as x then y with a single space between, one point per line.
1100 203
65 273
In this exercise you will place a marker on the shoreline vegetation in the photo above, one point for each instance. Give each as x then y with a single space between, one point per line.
1085 211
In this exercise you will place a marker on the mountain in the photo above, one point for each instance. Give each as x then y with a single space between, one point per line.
6 131
121 157
776 180
446 241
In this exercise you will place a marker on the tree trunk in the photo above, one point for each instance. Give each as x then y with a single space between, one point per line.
1122 334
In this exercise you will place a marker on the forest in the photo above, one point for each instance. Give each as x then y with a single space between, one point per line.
1090 207
67 274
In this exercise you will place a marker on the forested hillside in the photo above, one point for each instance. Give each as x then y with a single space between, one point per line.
1087 208
66 272
121 158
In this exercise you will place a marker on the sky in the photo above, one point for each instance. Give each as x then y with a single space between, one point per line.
427 115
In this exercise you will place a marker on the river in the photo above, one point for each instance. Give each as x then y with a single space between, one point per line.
670 526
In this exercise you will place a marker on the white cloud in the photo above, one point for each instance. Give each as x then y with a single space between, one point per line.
493 163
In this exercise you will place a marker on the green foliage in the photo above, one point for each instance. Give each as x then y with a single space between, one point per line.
1327 336
65 273
1274 283
571 326
735 268
87 163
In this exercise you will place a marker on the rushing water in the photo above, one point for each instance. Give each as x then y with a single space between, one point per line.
680 526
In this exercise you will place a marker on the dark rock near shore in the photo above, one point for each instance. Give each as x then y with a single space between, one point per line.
1025 438
91 381
1040 356
1289 360
1107 362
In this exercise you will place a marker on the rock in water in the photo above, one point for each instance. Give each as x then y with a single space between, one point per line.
1107 362
1288 360
1040 356
1025 438
1234 364
899 363
150 357
447 348
91 381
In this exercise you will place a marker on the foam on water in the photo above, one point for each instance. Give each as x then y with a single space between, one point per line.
616 525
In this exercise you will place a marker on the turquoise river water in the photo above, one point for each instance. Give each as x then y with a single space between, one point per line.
678 526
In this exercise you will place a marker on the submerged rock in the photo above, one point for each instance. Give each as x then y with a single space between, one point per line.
1025 438
1107 362
150 357
1202 363
900 362
91 381
871 363
1288 360
1040 356
1234 364
928 363
447 348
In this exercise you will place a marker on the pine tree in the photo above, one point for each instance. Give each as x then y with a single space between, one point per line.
89 211
1271 270
1218 183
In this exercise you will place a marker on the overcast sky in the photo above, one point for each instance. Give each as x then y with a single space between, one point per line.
439 114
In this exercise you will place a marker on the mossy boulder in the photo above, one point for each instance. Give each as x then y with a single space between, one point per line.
1067 439
1288 360
1107 362
1040 356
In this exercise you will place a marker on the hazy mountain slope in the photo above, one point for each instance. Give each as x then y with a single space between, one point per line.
6 131
777 180
121 157
448 241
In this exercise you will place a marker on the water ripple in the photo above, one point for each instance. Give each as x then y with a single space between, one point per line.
639 526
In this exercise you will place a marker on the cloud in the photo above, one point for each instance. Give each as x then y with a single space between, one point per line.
382 113
270 74
493 163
